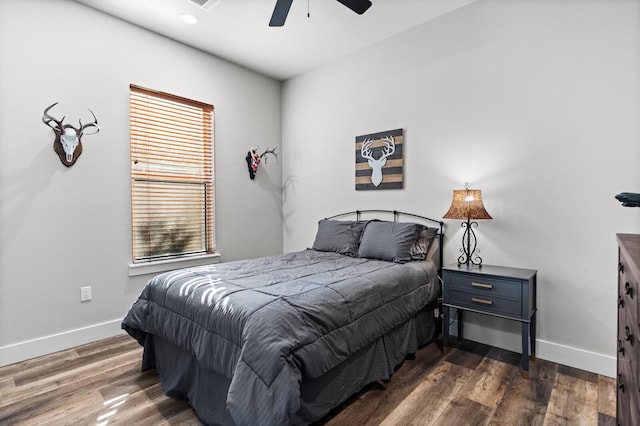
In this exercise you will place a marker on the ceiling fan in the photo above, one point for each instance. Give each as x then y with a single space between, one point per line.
281 10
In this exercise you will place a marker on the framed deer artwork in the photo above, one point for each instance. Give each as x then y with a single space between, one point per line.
379 162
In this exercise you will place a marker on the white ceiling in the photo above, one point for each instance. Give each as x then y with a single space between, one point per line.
238 30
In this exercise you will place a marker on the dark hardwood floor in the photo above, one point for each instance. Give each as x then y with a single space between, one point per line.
101 384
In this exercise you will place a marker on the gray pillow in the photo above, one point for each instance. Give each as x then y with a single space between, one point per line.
421 246
339 236
390 241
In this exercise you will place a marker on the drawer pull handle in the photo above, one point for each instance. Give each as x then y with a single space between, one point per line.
621 267
481 285
620 347
620 383
628 289
483 301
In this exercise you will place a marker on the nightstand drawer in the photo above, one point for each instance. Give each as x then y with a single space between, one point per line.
485 286
485 303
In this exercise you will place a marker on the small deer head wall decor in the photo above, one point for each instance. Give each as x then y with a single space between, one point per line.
254 157
68 144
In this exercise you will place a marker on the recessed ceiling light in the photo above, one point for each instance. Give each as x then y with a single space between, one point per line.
188 18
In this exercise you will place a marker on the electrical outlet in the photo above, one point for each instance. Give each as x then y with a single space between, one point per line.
85 293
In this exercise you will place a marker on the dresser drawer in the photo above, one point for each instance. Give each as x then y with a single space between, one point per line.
484 286
627 395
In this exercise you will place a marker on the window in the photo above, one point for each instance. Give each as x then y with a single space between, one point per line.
172 180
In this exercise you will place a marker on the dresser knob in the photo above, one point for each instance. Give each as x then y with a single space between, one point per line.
620 302
628 289
621 267
628 336
620 384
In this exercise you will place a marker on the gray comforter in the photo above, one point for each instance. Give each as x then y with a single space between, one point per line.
266 323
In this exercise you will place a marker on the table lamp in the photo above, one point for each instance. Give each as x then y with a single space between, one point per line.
467 205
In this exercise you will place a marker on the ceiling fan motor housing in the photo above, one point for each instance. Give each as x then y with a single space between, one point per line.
282 7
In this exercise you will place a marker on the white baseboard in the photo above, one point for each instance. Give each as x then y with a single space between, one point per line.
566 355
604 365
508 337
56 342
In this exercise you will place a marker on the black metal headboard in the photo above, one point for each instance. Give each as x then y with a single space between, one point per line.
396 216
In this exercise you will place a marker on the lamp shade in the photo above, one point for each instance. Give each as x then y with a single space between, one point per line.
467 204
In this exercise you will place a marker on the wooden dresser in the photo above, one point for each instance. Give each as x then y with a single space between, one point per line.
628 394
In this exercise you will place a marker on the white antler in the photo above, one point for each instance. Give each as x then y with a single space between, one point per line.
365 150
390 147
377 164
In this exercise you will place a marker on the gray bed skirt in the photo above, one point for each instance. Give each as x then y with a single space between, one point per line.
182 377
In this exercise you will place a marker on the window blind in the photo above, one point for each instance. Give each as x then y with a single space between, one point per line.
172 179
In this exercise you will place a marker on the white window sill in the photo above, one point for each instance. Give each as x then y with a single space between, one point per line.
136 269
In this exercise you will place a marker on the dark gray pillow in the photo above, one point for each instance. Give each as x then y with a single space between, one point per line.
390 241
420 248
339 236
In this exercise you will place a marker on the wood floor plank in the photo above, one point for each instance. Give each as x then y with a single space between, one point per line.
572 400
34 389
431 397
19 367
376 401
76 409
107 344
128 382
525 401
463 411
488 382
102 384
605 420
577 373
150 406
60 368
504 355
607 396
464 359
185 418
18 406
6 383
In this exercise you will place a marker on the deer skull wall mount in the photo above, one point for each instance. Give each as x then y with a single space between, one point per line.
253 159
68 144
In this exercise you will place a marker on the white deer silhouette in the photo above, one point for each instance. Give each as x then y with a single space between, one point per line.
377 164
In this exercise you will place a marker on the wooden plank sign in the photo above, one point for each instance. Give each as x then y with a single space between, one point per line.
379 162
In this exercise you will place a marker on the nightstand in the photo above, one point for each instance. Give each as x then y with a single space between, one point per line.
508 293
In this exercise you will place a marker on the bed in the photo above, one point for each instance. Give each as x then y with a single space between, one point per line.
284 339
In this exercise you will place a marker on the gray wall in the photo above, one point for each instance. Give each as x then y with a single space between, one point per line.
534 102
537 103
66 228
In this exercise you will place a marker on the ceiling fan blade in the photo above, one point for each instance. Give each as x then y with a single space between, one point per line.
280 13
358 6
